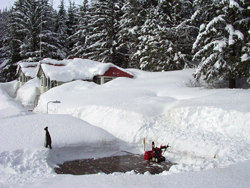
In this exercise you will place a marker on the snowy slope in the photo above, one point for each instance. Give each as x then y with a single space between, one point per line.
24 158
8 107
162 108
28 92
198 123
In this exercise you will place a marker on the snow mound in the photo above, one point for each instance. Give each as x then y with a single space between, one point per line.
22 153
66 131
10 88
9 107
28 92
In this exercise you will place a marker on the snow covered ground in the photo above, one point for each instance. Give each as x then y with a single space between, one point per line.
208 130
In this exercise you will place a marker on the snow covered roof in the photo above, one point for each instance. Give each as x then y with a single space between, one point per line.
28 68
75 69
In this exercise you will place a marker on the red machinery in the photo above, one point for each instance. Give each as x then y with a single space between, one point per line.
156 153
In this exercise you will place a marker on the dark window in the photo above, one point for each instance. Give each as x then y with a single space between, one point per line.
107 80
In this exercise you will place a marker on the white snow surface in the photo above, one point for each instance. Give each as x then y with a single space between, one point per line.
208 130
28 92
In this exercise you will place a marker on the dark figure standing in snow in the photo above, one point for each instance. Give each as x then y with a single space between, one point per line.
48 141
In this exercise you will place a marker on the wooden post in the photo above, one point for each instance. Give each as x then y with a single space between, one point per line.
144 142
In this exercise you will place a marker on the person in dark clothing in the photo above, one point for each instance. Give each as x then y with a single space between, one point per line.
48 141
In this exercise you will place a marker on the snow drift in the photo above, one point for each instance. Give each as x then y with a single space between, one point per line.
206 129
163 108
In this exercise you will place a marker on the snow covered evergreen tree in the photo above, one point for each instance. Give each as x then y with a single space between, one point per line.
50 43
221 45
245 27
62 29
34 25
4 18
120 57
30 34
9 47
28 20
103 29
71 23
129 26
153 47
183 29
159 46
79 37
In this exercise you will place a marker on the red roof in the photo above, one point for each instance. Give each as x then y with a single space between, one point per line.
115 72
30 66
59 65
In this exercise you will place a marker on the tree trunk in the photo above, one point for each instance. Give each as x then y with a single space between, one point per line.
232 83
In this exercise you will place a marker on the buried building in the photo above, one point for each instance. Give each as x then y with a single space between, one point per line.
49 73
53 73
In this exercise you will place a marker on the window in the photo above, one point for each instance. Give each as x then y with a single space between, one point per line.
53 83
22 78
48 82
45 82
107 80
42 81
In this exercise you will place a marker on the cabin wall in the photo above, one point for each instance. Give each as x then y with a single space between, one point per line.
22 79
46 83
103 79
43 83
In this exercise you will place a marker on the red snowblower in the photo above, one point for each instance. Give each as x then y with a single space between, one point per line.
155 154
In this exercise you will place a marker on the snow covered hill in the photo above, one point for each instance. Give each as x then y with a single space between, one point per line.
206 128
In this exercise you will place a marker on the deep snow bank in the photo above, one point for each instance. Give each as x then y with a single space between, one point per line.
65 130
28 92
22 153
9 107
198 123
10 88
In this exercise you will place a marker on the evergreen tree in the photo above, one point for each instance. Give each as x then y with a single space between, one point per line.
62 30
79 37
244 24
4 17
120 55
50 43
33 23
27 20
9 47
3 27
222 41
102 35
183 28
72 23
129 26
154 50
159 47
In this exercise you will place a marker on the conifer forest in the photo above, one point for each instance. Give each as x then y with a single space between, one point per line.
211 36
